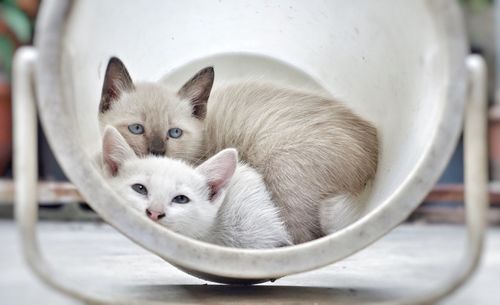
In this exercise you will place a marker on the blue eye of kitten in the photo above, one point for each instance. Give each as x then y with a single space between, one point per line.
175 133
181 199
136 128
139 188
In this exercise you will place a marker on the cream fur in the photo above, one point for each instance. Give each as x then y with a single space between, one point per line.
340 211
307 147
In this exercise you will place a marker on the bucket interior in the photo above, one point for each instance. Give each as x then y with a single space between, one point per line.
390 68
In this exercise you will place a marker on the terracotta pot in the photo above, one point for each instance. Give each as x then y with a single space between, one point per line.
5 127
494 141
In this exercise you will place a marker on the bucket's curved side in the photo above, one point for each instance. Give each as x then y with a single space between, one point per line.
240 263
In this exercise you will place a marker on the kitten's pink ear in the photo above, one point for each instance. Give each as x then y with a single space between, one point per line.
115 150
116 81
197 90
219 170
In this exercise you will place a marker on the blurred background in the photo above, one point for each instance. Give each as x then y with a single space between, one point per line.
61 202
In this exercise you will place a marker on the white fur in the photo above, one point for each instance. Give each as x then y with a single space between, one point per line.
248 218
241 214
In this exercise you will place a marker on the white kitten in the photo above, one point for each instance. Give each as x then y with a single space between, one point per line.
220 201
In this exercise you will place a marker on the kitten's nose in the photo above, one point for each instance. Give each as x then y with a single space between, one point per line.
157 147
155 215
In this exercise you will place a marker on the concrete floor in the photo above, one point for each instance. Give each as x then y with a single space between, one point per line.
409 261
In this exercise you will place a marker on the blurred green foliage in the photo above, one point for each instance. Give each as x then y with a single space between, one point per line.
16 29
477 4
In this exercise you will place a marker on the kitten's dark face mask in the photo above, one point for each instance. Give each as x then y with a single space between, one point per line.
156 146
155 140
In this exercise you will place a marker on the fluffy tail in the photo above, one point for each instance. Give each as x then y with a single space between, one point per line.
341 210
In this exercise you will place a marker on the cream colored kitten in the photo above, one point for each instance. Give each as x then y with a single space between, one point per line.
220 201
310 149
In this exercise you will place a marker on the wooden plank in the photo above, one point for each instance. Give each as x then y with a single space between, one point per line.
455 192
48 192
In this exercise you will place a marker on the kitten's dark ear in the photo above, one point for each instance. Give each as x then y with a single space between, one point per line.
115 150
197 90
219 170
116 81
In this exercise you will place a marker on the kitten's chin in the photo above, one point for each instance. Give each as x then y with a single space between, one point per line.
191 157
168 226
193 152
